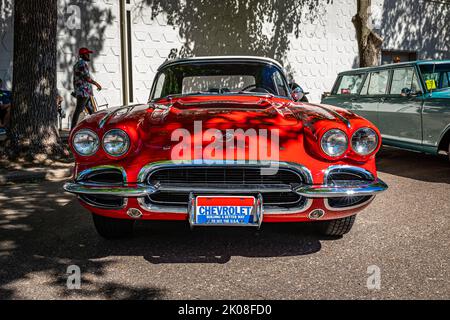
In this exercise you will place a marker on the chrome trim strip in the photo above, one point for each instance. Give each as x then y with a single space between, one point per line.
327 205
361 188
138 190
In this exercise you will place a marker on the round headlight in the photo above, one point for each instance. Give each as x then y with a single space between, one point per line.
85 142
116 142
334 142
364 141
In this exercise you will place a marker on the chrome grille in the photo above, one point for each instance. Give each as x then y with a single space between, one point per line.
223 176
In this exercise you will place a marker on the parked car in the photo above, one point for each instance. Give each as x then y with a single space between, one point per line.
409 102
139 161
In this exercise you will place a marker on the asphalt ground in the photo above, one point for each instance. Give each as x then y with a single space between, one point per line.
402 238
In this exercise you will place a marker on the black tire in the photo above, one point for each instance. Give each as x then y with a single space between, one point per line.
448 154
337 227
110 228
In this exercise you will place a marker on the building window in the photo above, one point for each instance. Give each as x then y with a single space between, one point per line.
392 56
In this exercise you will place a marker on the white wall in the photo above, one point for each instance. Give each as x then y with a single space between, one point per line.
96 27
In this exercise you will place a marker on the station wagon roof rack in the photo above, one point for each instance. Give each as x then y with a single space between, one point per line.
392 65
221 59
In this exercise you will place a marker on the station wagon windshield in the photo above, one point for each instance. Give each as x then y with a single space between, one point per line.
440 73
219 78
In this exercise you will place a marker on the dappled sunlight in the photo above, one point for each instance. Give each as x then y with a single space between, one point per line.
261 28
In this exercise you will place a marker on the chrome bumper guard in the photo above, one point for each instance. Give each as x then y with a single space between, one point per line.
350 188
137 190
347 189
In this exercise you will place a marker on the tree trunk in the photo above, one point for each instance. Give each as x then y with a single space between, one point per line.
369 42
34 132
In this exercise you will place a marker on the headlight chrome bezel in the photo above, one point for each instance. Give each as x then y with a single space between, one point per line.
334 131
126 139
374 148
93 134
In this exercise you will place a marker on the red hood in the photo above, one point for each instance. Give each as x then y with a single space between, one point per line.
223 111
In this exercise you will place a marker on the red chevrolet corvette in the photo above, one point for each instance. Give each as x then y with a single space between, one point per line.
223 141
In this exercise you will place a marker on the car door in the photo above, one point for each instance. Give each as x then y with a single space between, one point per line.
399 113
371 95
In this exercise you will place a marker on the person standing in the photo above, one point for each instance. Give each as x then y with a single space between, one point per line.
82 83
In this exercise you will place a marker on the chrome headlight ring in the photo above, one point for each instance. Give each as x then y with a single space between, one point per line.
364 141
334 143
85 142
116 142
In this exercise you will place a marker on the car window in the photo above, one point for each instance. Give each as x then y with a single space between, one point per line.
350 84
378 82
436 75
404 78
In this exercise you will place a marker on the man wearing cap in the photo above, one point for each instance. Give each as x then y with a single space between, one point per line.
82 83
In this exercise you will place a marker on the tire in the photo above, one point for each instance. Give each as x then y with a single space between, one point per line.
110 228
448 154
337 227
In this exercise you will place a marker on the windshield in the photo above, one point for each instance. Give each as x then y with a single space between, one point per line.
219 78
439 73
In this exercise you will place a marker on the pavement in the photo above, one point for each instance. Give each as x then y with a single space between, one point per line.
404 234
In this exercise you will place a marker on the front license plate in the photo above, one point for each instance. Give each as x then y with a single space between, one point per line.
226 211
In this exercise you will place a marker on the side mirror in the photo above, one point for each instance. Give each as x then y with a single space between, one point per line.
297 92
406 92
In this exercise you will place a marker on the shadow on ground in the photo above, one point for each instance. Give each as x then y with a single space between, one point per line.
414 165
44 230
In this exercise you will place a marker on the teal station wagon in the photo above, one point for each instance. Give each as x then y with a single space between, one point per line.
409 102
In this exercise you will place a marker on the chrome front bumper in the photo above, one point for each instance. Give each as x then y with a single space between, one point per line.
357 188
